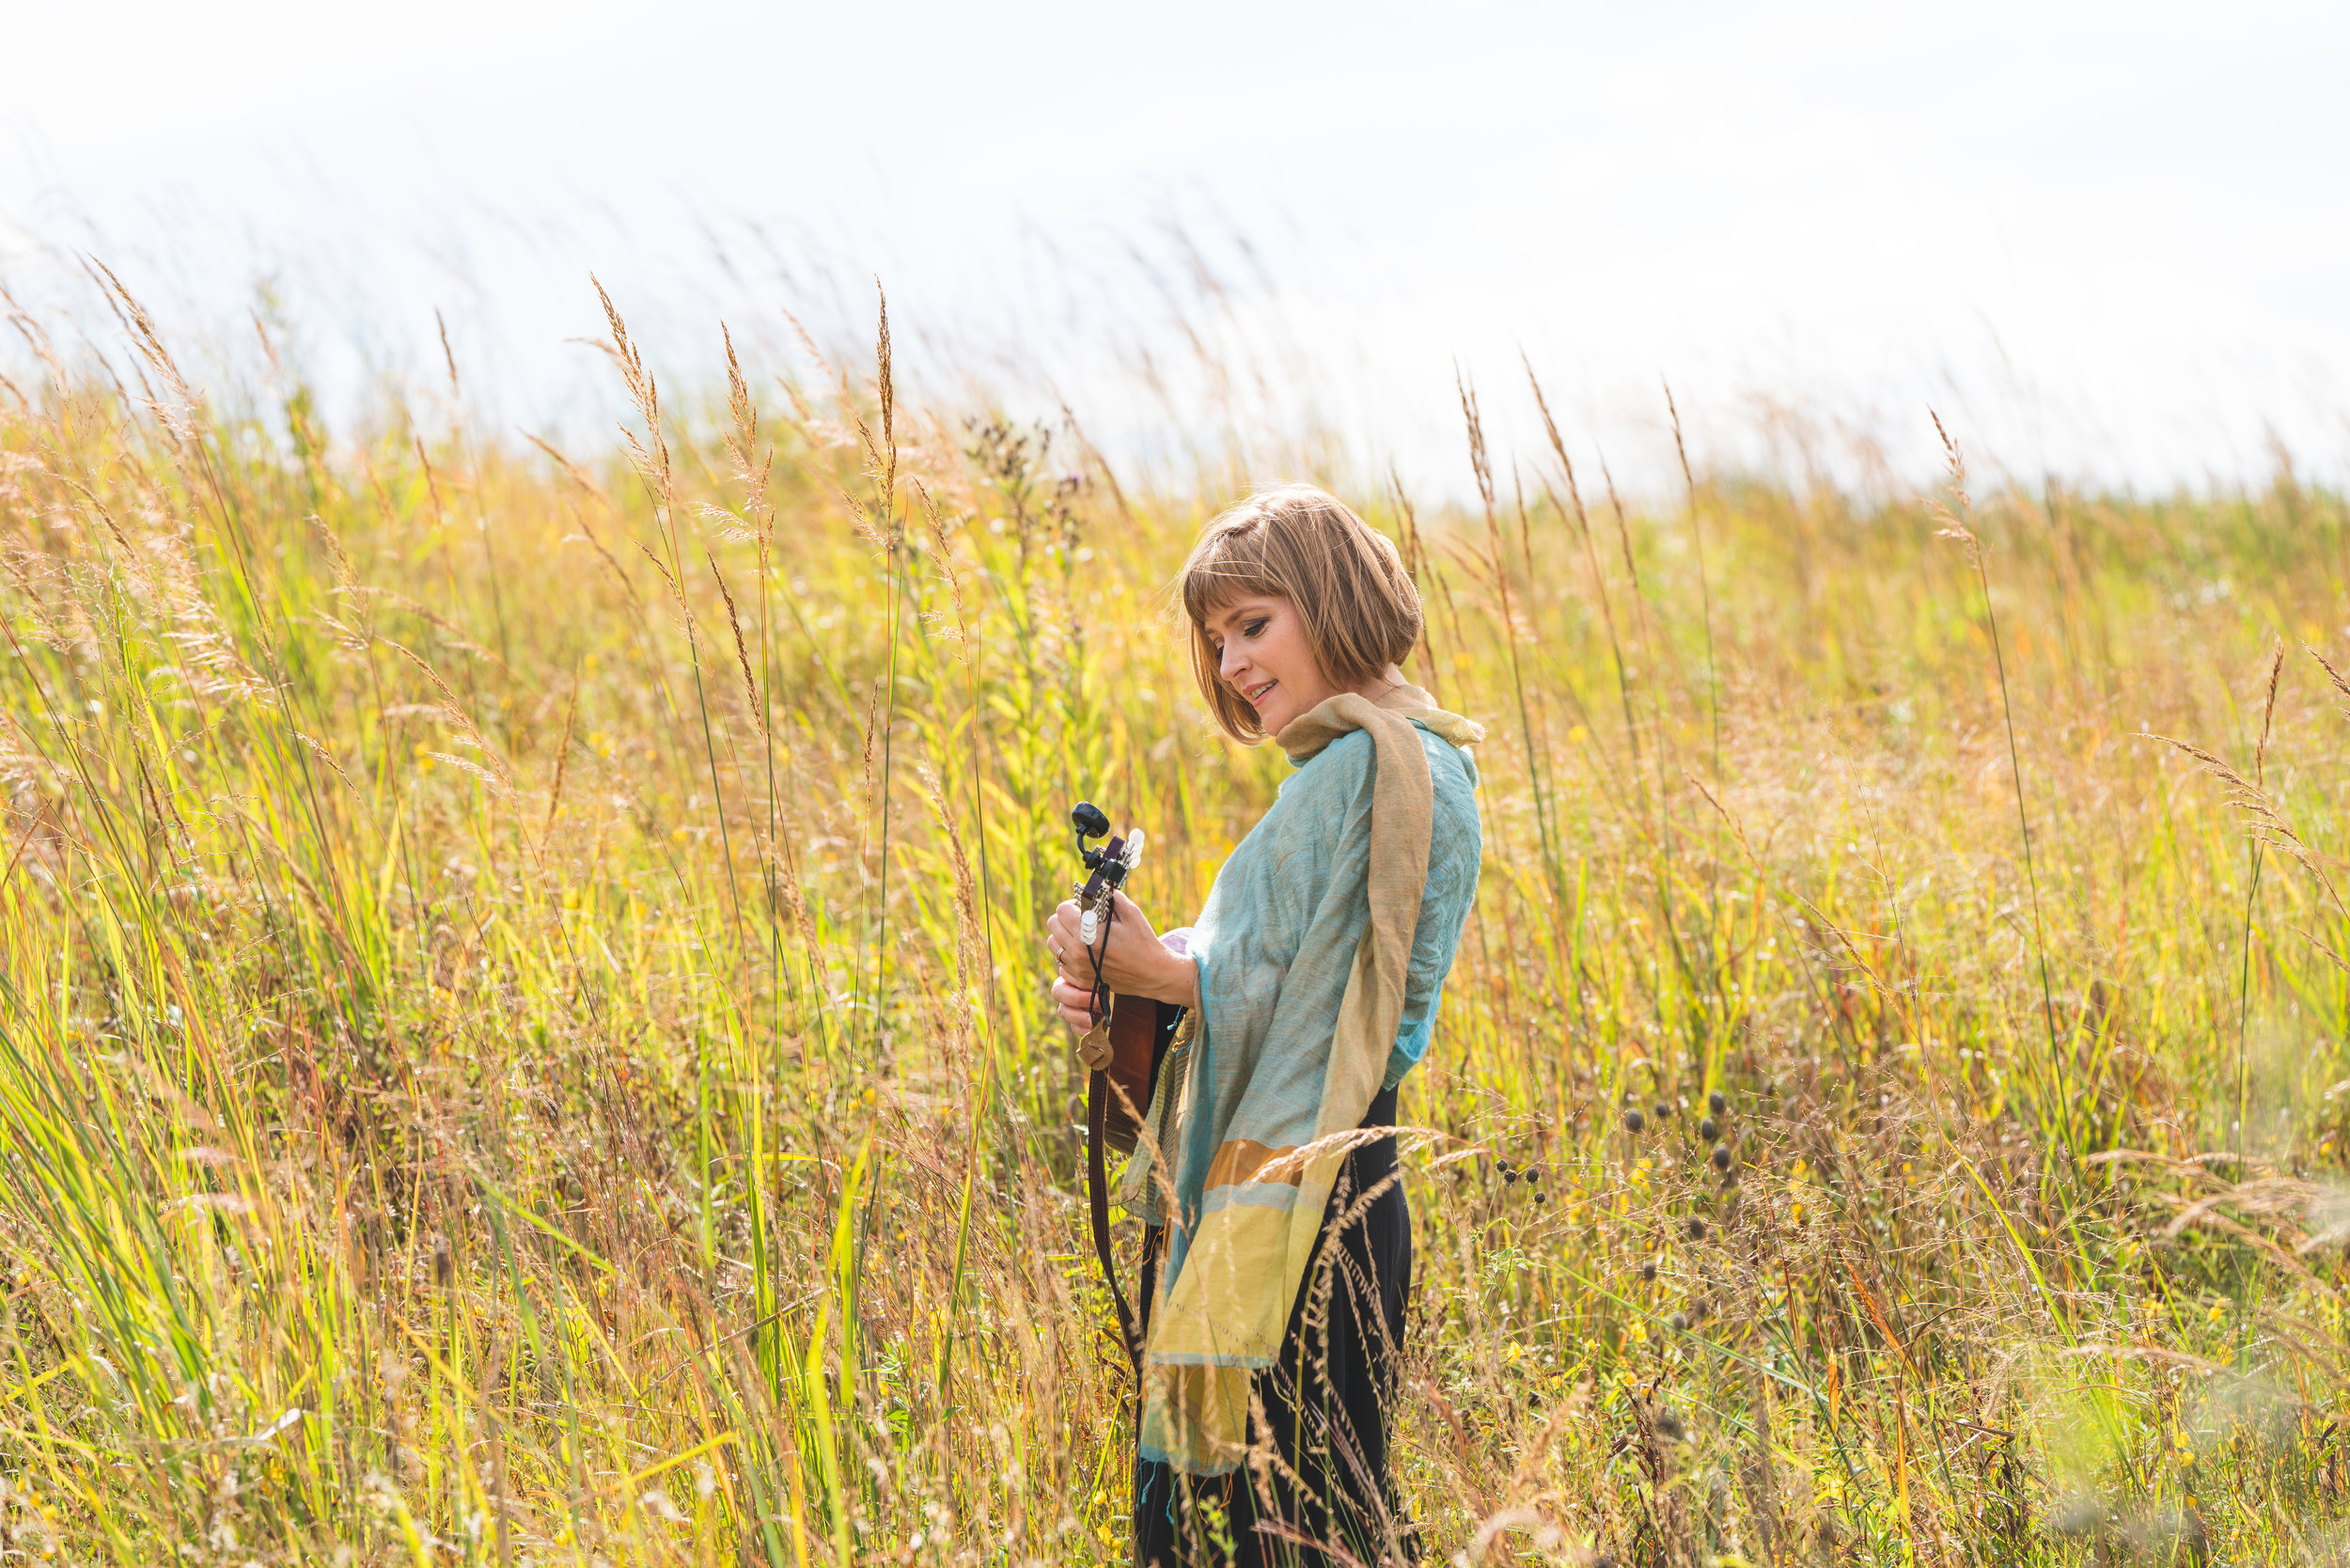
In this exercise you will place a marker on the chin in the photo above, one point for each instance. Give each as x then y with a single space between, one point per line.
1274 716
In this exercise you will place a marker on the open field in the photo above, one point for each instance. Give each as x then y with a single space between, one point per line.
521 1038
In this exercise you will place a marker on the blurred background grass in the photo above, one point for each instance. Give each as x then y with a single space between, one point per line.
524 1042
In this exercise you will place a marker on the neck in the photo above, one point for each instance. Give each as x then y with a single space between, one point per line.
1380 685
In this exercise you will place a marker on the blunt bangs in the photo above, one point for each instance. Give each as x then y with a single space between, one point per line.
1227 565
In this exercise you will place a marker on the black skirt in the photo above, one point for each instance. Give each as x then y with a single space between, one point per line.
1325 1484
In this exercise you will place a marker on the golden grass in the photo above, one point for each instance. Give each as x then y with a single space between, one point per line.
520 1041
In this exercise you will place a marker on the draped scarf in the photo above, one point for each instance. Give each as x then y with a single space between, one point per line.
1303 950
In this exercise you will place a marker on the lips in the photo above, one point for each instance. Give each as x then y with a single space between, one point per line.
1256 697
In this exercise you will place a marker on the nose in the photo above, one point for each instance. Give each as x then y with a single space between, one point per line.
1230 662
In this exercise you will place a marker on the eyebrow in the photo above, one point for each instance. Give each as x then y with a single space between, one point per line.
1238 612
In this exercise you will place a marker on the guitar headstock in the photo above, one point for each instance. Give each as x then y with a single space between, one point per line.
1107 867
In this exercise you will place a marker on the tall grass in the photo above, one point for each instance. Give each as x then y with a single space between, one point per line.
522 1041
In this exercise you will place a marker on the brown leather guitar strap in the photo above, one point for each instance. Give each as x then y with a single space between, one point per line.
1098 1199
1134 1322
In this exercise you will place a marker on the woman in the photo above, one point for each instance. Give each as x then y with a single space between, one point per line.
1279 1236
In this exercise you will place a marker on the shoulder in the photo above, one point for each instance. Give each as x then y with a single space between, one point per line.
1339 771
1349 764
1452 771
1457 832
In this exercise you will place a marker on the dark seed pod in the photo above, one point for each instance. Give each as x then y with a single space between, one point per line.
1648 1270
1668 1426
1718 1102
1709 1129
1508 1176
1721 1156
1681 1322
1633 1121
1664 1111
1533 1174
1697 1228
1540 1197
1504 1166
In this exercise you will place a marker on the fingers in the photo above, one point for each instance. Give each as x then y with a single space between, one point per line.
1064 943
1074 1004
1061 942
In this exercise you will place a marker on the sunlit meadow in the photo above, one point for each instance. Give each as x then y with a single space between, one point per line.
522 1039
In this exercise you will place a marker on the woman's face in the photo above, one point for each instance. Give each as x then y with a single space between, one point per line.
1263 655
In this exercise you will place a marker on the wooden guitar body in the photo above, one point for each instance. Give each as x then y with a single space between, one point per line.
1140 1030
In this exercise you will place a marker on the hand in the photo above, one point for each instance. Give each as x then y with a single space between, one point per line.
1133 962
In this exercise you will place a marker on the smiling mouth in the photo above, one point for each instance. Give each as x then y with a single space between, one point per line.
1256 695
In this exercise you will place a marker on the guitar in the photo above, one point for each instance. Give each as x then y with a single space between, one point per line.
1122 1051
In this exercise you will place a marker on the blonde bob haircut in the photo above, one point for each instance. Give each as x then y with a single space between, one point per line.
1301 543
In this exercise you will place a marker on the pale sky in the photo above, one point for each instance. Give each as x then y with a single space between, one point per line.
2108 240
